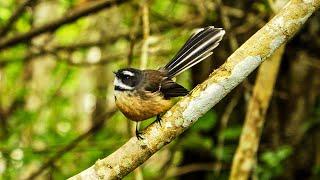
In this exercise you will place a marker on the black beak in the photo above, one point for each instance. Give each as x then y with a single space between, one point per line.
116 74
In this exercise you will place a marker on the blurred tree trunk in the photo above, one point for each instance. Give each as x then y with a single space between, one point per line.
100 73
245 157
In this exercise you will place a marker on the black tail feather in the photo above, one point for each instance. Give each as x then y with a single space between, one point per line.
197 48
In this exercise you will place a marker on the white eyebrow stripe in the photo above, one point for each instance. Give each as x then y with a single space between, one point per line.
120 84
128 73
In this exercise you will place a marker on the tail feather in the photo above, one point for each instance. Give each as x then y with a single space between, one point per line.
197 48
196 37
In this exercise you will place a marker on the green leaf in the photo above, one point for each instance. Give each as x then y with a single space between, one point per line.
68 34
225 153
284 152
23 24
232 133
5 13
273 159
270 159
196 141
206 122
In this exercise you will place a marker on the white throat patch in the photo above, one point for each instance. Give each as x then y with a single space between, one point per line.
119 83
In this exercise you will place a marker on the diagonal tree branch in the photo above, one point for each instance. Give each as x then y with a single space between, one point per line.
181 116
93 8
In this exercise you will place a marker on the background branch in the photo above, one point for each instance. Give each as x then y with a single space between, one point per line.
15 16
72 16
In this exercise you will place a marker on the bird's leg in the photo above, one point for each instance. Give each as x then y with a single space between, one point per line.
138 133
158 119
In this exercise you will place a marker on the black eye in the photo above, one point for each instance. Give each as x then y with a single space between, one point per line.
129 77
129 80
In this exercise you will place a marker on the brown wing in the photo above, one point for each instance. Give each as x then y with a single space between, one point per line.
171 89
157 81
152 80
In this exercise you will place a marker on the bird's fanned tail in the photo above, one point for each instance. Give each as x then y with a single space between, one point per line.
198 47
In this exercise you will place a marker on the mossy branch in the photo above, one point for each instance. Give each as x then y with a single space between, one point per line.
181 116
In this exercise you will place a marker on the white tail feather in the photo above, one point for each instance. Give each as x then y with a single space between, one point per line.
196 49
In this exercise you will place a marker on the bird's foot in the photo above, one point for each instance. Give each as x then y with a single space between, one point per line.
158 120
139 135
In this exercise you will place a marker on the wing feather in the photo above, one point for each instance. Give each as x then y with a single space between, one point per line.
171 89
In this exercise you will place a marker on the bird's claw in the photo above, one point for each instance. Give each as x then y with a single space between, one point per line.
158 120
139 135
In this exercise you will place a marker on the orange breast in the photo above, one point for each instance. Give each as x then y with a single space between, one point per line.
137 108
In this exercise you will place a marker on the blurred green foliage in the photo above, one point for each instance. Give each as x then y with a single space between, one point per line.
51 101
271 164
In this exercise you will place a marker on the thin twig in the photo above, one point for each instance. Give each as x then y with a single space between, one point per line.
107 59
192 168
15 16
72 16
146 33
72 47
227 26
223 125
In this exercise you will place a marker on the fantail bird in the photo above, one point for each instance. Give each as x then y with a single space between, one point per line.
142 94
